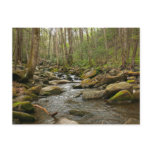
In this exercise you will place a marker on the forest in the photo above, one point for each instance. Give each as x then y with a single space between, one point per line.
76 75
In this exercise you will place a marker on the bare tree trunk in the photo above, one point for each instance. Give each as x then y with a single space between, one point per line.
34 53
70 59
134 53
65 47
81 41
56 47
105 41
89 51
49 43
18 54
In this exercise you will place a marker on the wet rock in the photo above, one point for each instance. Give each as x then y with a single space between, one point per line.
66 121
93 94
51 90
77 86
23 117
89 74
123 96
78 95
35 89
78 113
23 106
59 82
136 95
132 121
116 87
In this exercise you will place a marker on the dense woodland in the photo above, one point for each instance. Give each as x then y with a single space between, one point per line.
84 47
43 58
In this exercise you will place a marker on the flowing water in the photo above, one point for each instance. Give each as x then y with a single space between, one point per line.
97 111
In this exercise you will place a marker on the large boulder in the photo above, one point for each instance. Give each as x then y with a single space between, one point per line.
51 90
89 74
93 94
23 106
123 96
116 87
23 117
59 82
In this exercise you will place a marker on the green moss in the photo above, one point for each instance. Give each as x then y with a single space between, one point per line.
121 96
54 70
25 106
23 117
130 81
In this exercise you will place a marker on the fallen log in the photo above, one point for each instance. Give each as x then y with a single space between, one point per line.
45 110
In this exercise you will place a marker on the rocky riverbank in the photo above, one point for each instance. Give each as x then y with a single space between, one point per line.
112 87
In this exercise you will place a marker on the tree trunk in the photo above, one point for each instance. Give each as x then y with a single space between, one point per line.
89 51
65 47
18 52
105 41
49 43
34 53
56 47
81 41
70 59
134 53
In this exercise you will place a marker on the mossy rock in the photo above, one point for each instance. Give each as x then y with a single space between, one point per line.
35 90
88 83
23 106
131 81
89 74
112 89
23 117
131 78
78 113
131 73
121 96
30 97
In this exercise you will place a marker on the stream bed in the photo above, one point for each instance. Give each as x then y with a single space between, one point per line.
97 111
